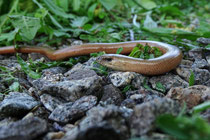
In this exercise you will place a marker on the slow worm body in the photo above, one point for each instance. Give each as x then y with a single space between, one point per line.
169 60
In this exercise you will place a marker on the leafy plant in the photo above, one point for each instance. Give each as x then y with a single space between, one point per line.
145 52
6 75
160 87
185 127
25 67
191 78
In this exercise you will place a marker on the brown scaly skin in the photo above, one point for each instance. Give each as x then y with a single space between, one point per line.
169 60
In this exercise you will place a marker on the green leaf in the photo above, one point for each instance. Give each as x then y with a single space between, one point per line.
204 29
79 21
145 84
4 69
207 47
169 124
59 33
160 87
149 23
135 52
28 26
147 4
160 31
57 10
108 4
25 67
91 10
191 78
97 54
171 10
54 21
119 50
9 36
184 128
14 87
201 107
126 88
76 5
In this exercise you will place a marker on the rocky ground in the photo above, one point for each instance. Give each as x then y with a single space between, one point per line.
79 104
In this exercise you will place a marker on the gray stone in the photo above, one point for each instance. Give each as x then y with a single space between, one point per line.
120 79
129 103
71 90
139 80
72 111
54 135
2 88
168 81
17 104
49 102
196 53
143 119
104 123
112 95
208 58
206 115
201 75
26 129
201 64
186 63
143 95
80 74
203 40
2 97
54 70
38 57
192 95
7 121
157 136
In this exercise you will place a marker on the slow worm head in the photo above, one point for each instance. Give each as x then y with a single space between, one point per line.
169 60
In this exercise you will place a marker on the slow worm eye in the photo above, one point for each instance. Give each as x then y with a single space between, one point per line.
108 59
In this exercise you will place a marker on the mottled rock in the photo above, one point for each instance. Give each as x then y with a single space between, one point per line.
143 95
71 90
26 129
2 87
104 123
208 58
41 112
201 64
196 53
156 136
72 111
168 81
186 63
129 103
38 57
112 95
1 97
7 121
17 104
192 96
206 115
120 79
201 75
54 135
144 115
139 80
80 74
203 40
53 70
49 102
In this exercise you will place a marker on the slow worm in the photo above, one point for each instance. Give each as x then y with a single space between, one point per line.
169 60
